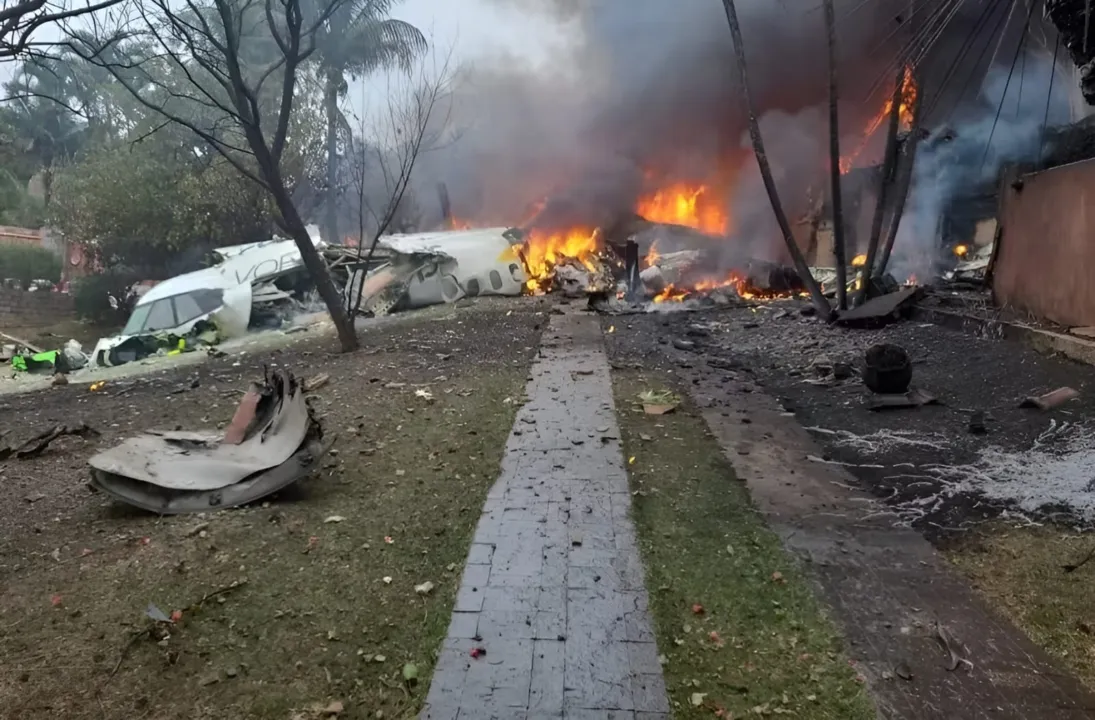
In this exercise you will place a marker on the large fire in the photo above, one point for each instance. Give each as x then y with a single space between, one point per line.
904 115
680 204
683 204
544 250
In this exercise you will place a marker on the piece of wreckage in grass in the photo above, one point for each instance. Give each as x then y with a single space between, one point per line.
272 441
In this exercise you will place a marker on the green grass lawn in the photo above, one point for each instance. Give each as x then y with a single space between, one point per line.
740 632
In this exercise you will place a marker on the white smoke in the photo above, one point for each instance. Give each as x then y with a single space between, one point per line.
1004 124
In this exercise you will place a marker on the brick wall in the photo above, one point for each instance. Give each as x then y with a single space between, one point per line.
19 309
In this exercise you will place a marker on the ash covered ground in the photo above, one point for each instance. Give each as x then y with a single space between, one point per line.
925 464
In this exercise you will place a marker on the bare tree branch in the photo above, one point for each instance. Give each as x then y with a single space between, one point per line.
416 121
21 19
218 58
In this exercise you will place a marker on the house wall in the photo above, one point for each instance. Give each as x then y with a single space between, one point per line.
1046 260
21 309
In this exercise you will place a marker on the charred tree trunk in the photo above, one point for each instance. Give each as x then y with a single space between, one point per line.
883 190
823 308
293 224
836 196
330 196
904 184
446 205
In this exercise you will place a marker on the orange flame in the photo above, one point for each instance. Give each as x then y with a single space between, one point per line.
671 294
652 256
544 250
904 114
738 281
684 204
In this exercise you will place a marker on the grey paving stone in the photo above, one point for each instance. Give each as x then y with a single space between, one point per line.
468 599
546 692
475 576
553 586
464 625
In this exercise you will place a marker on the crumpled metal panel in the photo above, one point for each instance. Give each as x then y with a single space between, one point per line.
166 501
180 462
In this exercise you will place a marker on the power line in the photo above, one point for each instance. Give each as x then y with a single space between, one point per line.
1011 71
1049 95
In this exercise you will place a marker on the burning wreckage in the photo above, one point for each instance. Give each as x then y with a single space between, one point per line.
264 285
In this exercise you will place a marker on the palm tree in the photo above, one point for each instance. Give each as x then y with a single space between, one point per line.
43 113
358 39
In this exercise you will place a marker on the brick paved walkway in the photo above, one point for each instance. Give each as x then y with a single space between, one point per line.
553 587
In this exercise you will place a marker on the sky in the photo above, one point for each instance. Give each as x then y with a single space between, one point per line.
479 27
473 31
471 28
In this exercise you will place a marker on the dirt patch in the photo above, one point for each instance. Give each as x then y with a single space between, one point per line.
736 620
54 337
326 607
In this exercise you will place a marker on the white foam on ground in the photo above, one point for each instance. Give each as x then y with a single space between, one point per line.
1058 470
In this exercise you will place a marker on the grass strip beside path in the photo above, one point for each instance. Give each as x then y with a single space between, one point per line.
740 632
1019 570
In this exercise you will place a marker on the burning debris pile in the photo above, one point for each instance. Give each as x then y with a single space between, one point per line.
671 247
642 264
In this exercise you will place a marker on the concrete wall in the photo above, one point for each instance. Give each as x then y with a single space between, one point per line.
19 236
1045 264
19 309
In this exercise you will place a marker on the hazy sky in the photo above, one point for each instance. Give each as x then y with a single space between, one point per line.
479 27
473 31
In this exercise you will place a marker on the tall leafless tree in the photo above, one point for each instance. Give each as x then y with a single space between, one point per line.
819 301
836 196
227 70
414 121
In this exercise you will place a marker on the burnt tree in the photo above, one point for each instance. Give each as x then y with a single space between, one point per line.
1073 21
227 70
823 308
889 164
839 246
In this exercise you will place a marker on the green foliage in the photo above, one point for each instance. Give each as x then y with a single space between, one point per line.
92 295
17 206
25 263
156 209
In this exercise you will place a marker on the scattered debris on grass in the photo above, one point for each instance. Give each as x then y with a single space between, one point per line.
274 631
659 402
1019 571
776 650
